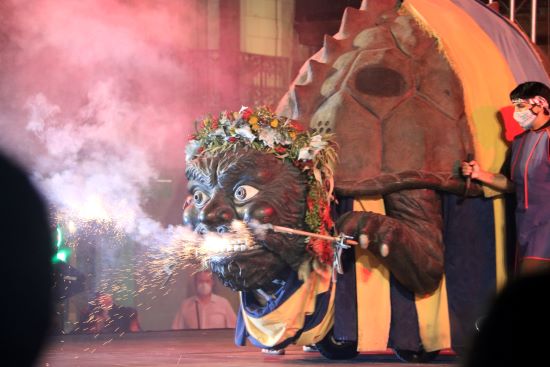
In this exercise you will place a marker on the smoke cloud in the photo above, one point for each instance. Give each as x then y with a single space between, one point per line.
96 100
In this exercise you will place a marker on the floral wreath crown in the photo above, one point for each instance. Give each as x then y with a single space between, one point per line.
260 129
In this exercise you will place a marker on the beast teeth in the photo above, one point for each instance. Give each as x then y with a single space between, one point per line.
239 247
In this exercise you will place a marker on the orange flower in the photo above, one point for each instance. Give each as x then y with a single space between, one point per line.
253 120
274 123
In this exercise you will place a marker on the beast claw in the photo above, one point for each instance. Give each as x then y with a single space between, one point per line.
364 241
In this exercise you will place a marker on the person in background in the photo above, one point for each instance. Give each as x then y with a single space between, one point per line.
204 310
104 316
529 175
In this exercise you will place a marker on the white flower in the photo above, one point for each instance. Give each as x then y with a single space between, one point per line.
268 136
191 149
317 143
243 108
246 133
218 132
225 121
305 154
281 139
285 140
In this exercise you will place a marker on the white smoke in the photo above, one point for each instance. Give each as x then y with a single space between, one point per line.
92 101
92 169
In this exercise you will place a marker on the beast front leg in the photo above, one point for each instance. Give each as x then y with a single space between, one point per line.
408 239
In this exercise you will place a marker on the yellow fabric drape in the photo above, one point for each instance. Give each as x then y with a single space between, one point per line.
287 319
486 80
373 291
374 303
434 324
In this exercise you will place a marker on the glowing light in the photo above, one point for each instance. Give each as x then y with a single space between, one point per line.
71 226
63 255
94 209
59 237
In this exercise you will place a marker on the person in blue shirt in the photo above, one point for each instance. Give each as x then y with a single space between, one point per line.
529 175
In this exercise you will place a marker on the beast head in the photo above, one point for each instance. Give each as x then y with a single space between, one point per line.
253 167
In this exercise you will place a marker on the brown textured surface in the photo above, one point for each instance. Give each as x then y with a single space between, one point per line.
364 134
395 106
188 348
382 78
423 138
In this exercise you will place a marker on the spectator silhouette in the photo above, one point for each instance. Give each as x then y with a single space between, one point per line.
204 310
514 333
104 316
26 270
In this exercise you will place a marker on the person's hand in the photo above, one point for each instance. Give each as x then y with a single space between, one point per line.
470 169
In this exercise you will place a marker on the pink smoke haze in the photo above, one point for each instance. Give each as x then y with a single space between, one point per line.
96 98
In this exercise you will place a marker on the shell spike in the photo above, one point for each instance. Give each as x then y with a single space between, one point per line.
353 21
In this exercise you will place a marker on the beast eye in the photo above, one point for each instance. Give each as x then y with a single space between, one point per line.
200 198
244 193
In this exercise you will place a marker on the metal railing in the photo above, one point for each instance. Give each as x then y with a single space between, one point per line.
255 79
513 9
266 78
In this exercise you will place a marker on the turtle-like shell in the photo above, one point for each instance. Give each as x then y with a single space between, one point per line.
384 89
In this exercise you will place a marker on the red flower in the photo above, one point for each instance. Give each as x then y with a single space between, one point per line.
321 249
232 139
310 203
296 126
246 113
327 220
280 149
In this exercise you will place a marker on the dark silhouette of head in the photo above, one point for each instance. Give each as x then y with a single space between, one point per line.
514 333
27 267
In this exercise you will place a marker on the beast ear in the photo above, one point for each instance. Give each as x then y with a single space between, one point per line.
187 202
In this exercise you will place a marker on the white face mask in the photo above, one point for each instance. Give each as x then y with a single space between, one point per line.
204 289
525 119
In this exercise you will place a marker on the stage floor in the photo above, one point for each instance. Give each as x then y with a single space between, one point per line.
188 348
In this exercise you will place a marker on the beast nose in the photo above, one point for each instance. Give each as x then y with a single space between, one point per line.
217 213
216 216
